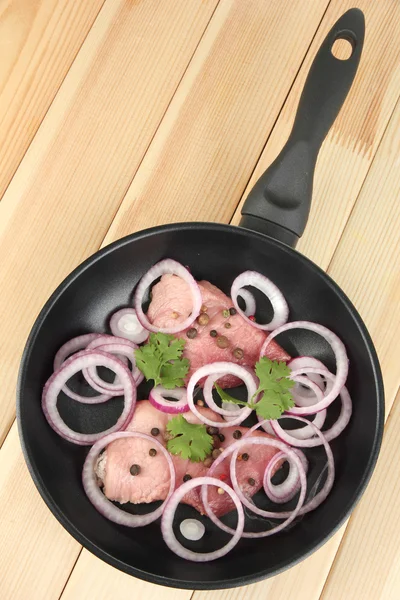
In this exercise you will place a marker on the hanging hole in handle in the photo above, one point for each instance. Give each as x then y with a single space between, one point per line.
343 45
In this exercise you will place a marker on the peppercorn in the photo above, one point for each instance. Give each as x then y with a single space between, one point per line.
221 437
208 462
215 440
212 430
225 313
200 403
237 434
155 431
203 319
191 333
251 481
252 318
216 453
221 491
222 341
227 325
213 333
232 311
238 353
134 470
175 315
204 308
152 451
245 456
187 477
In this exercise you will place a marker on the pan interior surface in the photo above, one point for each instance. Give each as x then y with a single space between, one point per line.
84 303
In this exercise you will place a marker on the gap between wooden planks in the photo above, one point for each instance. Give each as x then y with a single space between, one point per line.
38 42
54 167
307 579
67 586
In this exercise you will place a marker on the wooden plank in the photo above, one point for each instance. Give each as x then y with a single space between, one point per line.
221 115
63 197
37 554
350 146
92 578
367 565
38 42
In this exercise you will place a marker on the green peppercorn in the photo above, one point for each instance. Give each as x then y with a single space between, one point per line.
225 313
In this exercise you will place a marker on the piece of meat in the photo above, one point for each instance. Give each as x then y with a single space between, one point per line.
171 303
153 481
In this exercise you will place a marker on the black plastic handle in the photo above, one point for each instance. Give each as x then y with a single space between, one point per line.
279 203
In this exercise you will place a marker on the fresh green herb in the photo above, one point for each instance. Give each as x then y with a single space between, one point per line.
161 360
274 386
190 441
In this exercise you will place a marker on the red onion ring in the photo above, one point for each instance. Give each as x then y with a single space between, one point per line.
226 368
99 500
125 323
158 400
169 513
249 300
267 287
285 491
342 363
324 492
228 414
70 347
302 396
81 360
301 433
234 449
117 348
167 266
332 433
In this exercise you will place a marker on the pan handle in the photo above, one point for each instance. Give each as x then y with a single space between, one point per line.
279 203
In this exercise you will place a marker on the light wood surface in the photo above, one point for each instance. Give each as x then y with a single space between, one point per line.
135 113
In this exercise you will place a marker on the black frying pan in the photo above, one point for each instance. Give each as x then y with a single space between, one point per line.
274 217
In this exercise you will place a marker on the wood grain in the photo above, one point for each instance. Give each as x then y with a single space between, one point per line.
92 578
39 40
72 180
37 554
350 146
368 562
221 115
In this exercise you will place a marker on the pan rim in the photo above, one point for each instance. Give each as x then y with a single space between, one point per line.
102 554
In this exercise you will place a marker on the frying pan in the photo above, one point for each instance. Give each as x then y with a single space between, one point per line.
274 217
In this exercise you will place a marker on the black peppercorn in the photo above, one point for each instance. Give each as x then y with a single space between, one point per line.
221 437
251 481
191 333
232 311
134 470
155 431
213 333
237 434
212 430
152 451
187 477
245 456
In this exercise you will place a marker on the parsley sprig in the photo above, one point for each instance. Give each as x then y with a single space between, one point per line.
161 360
274 390
190 441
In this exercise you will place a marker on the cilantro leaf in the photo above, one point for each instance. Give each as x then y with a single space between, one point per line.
161 360
190 441
275 387
225 397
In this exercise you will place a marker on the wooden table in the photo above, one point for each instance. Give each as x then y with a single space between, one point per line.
117 115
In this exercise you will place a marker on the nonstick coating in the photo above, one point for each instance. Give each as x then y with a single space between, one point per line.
84 302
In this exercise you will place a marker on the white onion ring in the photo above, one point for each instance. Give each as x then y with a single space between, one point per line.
70 347
342 363
164 267
234 449
285 491
99 500
125 323
81 360
127 349
267 287
323 493
158 400
169 513
249 300
226 368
